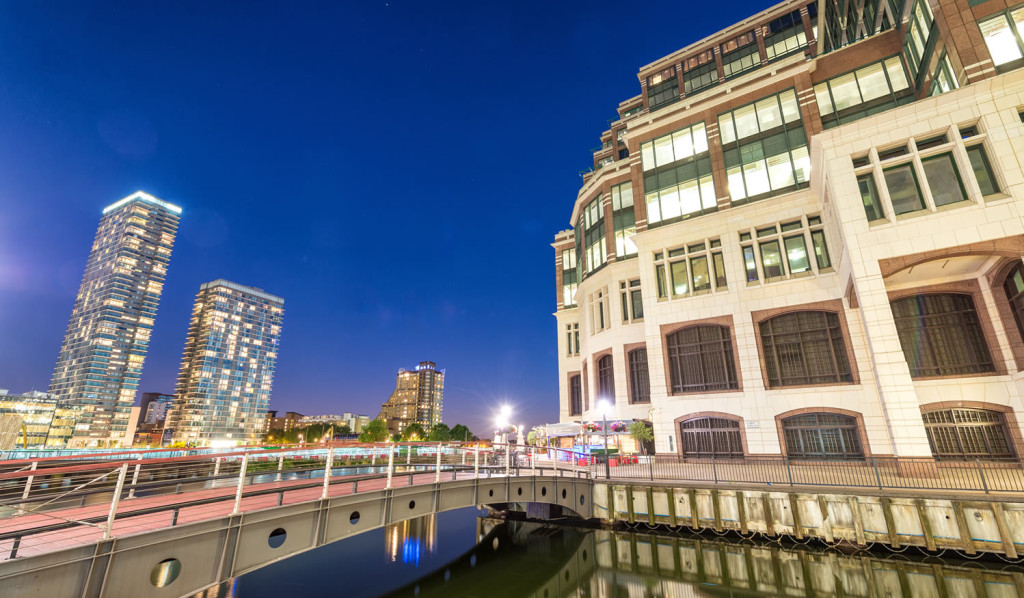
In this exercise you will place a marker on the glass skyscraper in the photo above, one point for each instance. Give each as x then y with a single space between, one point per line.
105 345
223 388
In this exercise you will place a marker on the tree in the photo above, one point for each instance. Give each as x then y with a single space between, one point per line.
531 438
396 437
440 433
461 433
375 431
414 432
641 432
344 430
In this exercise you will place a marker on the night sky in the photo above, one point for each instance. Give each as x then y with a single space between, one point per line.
395 170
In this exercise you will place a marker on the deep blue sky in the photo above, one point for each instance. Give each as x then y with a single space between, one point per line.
395 170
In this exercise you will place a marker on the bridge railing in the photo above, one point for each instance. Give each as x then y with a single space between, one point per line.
987 476
47 504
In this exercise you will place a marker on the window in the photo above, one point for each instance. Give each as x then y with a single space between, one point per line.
592 223
692 269
605 380
765 148
868 90
785 35
700 72
677 176
1013 285
974 142
804 347
710 437
572 339
943 79
662 88
740 54
915 44
941 335
569 278
599 312
1002 35
869 195
639 382
943 179
822 436
967 433
904 191
632 301
783 248
623 219
575 395
701 359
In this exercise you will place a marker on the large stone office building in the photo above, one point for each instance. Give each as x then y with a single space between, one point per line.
418 398
804 237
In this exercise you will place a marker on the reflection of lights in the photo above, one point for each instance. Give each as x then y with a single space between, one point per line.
411 549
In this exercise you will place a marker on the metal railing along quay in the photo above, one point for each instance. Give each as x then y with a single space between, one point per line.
878 473
50 504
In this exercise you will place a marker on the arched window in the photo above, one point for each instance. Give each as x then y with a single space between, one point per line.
941 335
1014 287
575 395
605 380
710 437
804 347
967 433
822 436
700 359
639 381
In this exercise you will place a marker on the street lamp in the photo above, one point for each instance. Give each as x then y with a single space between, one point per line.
604 407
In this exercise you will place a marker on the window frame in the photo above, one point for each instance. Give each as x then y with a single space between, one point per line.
606 378
927 336
836 337
728 429
713 351
846 430
639 376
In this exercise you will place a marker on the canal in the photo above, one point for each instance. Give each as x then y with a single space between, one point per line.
465 553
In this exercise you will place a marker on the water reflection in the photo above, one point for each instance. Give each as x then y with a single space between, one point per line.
409 540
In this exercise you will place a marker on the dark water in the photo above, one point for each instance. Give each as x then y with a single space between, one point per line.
464 554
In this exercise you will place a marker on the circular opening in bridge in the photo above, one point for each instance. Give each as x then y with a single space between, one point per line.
354 517
490 492
566 575
412 504
584 556
564 494
543 491
581 499
276 538
447 574
472 561
520 491
165 572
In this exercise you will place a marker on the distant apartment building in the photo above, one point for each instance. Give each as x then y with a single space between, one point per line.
418 398
288 422
154 406
353 421
227 371
804 238
101 358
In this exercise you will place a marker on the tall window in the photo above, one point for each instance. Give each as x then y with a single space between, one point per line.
700 72
916 41
572 339
623 219
575 395
677 175
941 335
690 270
967 433
639 381
974 141
804 347
765 148
605 380
868 90
570 281
592 223
943 79
822 436
710 437
1013 285
1002 33
701 359
632 301
662 88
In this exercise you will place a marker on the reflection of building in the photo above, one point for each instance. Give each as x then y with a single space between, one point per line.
154 406
101 358
228 366
809 247
410 540
29 417
418 398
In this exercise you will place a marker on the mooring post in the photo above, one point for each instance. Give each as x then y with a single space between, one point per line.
328 470
241 483
117 499
28 482
391 463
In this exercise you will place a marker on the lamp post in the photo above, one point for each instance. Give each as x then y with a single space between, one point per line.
604 406
502 421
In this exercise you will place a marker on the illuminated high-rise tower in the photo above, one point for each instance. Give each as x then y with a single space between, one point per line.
105 345
418 398
228 367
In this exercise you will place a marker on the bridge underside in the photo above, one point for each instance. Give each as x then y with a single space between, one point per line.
183 560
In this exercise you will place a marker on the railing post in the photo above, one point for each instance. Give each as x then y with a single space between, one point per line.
714 468
463 454
117 499
981 473
391 463
789 471
241 483
650 464
476 463
878 476
328 470
533 459
508 460
408 455
216 467
28 482
373 456
135 478
555 452
437 476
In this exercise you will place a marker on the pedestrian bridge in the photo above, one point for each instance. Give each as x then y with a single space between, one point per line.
172 527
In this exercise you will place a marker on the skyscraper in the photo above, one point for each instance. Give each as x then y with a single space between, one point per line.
418 398
228 367
105 345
